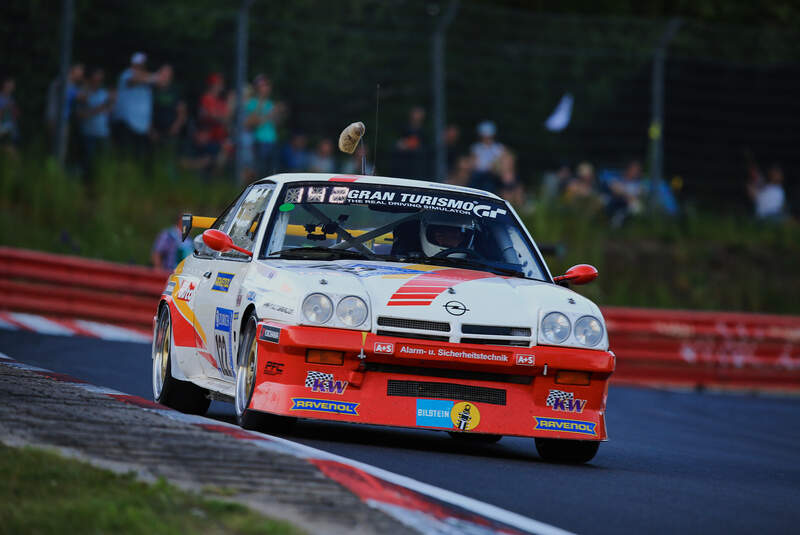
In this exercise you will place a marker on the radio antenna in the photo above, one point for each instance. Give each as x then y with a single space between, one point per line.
375 148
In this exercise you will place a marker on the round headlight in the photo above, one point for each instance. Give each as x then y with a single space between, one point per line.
352 311
317 308
588 331
555 327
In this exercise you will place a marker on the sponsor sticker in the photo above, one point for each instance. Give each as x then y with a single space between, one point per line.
223 322
445 414
526 360
385 348
185 291
560 400
323 405
251 296
169 288
325 383
444 353
566 426
222 282
273 368
270 334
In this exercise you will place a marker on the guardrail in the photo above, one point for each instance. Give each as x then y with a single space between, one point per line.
653 347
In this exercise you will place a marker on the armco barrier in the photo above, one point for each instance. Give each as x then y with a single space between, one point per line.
653 347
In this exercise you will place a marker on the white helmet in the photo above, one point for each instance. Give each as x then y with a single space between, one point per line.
439 231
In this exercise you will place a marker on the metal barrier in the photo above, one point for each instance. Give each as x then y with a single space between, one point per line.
653 347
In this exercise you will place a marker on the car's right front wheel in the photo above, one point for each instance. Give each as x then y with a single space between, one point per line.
557 450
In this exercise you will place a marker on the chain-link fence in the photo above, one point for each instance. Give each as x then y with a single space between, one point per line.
727 91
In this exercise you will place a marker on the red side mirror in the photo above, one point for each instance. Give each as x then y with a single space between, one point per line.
580 274
219 241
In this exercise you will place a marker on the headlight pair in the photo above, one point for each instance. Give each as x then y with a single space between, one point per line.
318 308
556 328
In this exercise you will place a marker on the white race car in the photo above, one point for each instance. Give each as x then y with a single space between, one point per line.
383 301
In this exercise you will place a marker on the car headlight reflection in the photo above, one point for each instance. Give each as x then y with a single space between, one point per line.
317 308
352 311
555 327
588 331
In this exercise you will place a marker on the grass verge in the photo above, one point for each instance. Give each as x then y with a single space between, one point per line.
43 492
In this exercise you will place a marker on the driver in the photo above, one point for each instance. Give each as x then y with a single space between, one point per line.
440 232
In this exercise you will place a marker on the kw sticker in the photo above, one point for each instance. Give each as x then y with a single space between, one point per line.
223 282
325 383
323 405
560 400
565 426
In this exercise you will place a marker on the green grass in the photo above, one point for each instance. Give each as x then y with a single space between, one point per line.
706 259
42 492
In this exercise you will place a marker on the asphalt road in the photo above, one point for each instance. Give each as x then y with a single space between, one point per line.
676 462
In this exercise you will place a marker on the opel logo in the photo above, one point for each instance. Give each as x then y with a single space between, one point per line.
456 308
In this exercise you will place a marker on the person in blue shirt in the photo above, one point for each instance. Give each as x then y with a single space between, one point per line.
133 112
94 112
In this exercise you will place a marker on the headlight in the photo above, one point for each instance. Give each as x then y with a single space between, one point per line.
317 308
555 327
588 331
352 311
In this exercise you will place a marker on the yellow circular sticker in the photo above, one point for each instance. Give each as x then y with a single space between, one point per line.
465 416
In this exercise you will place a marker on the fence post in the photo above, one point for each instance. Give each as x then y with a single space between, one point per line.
657 104
241 76
62 120
438 79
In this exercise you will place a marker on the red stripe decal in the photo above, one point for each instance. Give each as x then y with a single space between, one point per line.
408 303
434 284
343 179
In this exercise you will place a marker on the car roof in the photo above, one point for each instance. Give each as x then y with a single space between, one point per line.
285 178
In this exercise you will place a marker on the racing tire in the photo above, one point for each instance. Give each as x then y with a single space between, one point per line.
474 438
556 450
180 395
246 372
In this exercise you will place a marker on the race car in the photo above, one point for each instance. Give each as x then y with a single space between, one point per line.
383 301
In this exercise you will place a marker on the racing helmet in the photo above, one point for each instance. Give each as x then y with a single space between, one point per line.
439 231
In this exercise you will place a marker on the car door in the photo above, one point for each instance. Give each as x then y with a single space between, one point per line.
219 300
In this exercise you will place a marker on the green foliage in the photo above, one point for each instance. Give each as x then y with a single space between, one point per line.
45 493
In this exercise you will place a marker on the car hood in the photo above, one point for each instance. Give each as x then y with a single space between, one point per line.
430 293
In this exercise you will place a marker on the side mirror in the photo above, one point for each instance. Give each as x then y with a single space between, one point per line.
219 241
580 274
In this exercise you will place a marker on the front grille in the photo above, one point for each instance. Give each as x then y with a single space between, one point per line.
493 330
423 325
448 373
416 336
494 342
420 389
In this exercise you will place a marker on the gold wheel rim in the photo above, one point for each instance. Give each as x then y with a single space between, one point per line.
165 353
251 366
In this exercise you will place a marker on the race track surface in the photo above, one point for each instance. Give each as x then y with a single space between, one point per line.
676 462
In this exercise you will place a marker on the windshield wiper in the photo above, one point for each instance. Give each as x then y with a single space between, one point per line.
317 253
465 262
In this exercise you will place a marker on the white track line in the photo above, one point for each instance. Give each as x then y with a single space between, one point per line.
113 332
43 325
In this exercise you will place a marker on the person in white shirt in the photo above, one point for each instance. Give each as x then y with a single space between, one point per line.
769 198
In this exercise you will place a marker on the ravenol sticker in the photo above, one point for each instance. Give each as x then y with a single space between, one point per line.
322 405
270 334
565 426
561 400
223 323
434 413
223 282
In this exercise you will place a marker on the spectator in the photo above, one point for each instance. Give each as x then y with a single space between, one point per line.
322 160
462 171
583 186
74 81
555 183
133 111
295 156
200 153
169 249
353 164
9 116
94 111
262 116
170 112
216 111
626 194
452 136
509 188
486 153
769 198
409 158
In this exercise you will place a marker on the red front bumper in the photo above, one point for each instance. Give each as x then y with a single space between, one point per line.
434 385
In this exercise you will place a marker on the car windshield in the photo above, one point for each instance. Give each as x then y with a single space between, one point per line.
331 221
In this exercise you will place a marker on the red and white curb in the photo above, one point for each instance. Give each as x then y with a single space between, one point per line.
425 508
71 327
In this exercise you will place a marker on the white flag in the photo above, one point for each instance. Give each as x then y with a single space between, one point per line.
560 117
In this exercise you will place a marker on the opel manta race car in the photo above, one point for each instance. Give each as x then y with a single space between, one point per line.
383 301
